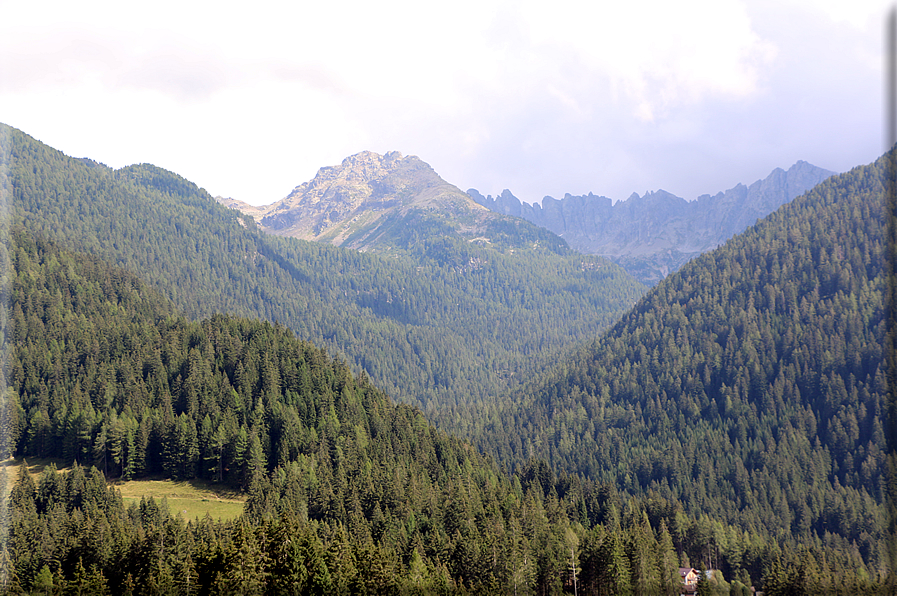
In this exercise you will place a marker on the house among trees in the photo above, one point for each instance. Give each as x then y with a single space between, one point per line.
689 577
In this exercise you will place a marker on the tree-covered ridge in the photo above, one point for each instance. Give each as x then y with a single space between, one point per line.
441 322
105 371
349 493
750 386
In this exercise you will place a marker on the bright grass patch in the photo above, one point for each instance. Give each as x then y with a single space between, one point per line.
191 499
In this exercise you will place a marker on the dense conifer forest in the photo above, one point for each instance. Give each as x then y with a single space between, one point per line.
734 420
348 492
442 323
751 386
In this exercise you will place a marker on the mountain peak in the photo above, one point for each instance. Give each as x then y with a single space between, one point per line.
366 165
362 168
353 199
373 202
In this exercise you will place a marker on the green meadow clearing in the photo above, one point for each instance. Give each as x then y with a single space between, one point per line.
191 499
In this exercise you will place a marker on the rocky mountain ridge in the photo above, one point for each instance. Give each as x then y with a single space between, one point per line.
654 234
370 200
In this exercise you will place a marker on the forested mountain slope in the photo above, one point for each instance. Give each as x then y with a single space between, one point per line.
348 492
653 235
751 385
440 322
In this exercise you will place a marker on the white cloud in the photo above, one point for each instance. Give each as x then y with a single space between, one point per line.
540 97
653 53
862 15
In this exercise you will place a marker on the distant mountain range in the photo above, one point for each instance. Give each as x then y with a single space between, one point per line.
653 235
378 202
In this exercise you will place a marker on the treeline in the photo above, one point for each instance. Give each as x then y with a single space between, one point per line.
751 386
71 534
441 323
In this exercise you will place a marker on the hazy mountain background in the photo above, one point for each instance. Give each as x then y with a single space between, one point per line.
378 202
654 234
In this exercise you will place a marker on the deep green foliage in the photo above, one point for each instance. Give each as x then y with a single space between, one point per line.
446 330
348 492
72 534
735 418
105 371
751 386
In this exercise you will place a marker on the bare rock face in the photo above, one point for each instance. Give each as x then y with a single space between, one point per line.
357 202
653 235
246 208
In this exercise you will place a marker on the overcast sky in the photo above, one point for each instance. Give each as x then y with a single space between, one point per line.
537 97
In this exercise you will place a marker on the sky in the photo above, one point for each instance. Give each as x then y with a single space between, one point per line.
541 98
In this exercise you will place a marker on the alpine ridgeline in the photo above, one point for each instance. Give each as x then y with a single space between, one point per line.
446 325
750 385
653 235
378 202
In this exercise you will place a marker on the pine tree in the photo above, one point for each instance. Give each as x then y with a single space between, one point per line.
244 564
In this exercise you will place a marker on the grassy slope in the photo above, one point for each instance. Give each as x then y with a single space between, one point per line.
192 499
